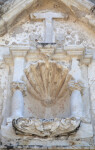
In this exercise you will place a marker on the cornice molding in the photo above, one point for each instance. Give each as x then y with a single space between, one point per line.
65 54
19 51
79 53
16 51
80 4
74 50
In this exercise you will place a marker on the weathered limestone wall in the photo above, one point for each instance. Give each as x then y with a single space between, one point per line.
66 33
29 92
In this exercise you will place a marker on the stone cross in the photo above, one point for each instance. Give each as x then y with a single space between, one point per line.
48 17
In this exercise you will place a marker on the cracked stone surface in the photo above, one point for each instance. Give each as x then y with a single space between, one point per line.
47 79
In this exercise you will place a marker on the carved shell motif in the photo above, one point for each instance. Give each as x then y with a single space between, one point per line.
47 82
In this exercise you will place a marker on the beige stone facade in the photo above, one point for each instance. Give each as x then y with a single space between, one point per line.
47 74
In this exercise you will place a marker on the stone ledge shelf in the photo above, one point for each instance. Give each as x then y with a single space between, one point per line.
73 50
67 53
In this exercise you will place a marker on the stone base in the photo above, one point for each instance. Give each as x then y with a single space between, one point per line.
33 147
48 145
75 141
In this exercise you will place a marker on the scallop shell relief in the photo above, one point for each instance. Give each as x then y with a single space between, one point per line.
47 81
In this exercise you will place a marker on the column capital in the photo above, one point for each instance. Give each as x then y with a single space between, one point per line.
19 51
76 86
18 86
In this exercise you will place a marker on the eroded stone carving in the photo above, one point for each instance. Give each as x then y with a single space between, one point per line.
76 86
48 16
47 81
45 128
19 86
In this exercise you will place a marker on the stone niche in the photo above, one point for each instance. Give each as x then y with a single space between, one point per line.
48 93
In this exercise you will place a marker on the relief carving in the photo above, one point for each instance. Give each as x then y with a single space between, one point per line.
55 43
76 86
19 86
45 128
47 81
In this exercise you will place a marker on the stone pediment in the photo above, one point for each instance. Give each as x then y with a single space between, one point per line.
78 9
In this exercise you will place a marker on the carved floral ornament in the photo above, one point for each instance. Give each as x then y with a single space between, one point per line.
76 86
45 128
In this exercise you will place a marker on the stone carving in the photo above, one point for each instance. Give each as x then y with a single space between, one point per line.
48 16
19 86
47 81
45 128
76 86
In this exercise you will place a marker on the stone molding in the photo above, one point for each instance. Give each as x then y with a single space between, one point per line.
74 50
50 52
19 51
79 53
67 53
16 51
18 86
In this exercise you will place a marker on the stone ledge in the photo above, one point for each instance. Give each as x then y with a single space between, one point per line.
33 147
9 138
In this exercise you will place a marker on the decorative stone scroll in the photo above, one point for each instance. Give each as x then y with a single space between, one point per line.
45 128
76 86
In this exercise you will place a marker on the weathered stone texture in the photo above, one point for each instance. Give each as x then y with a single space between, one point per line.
47 74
